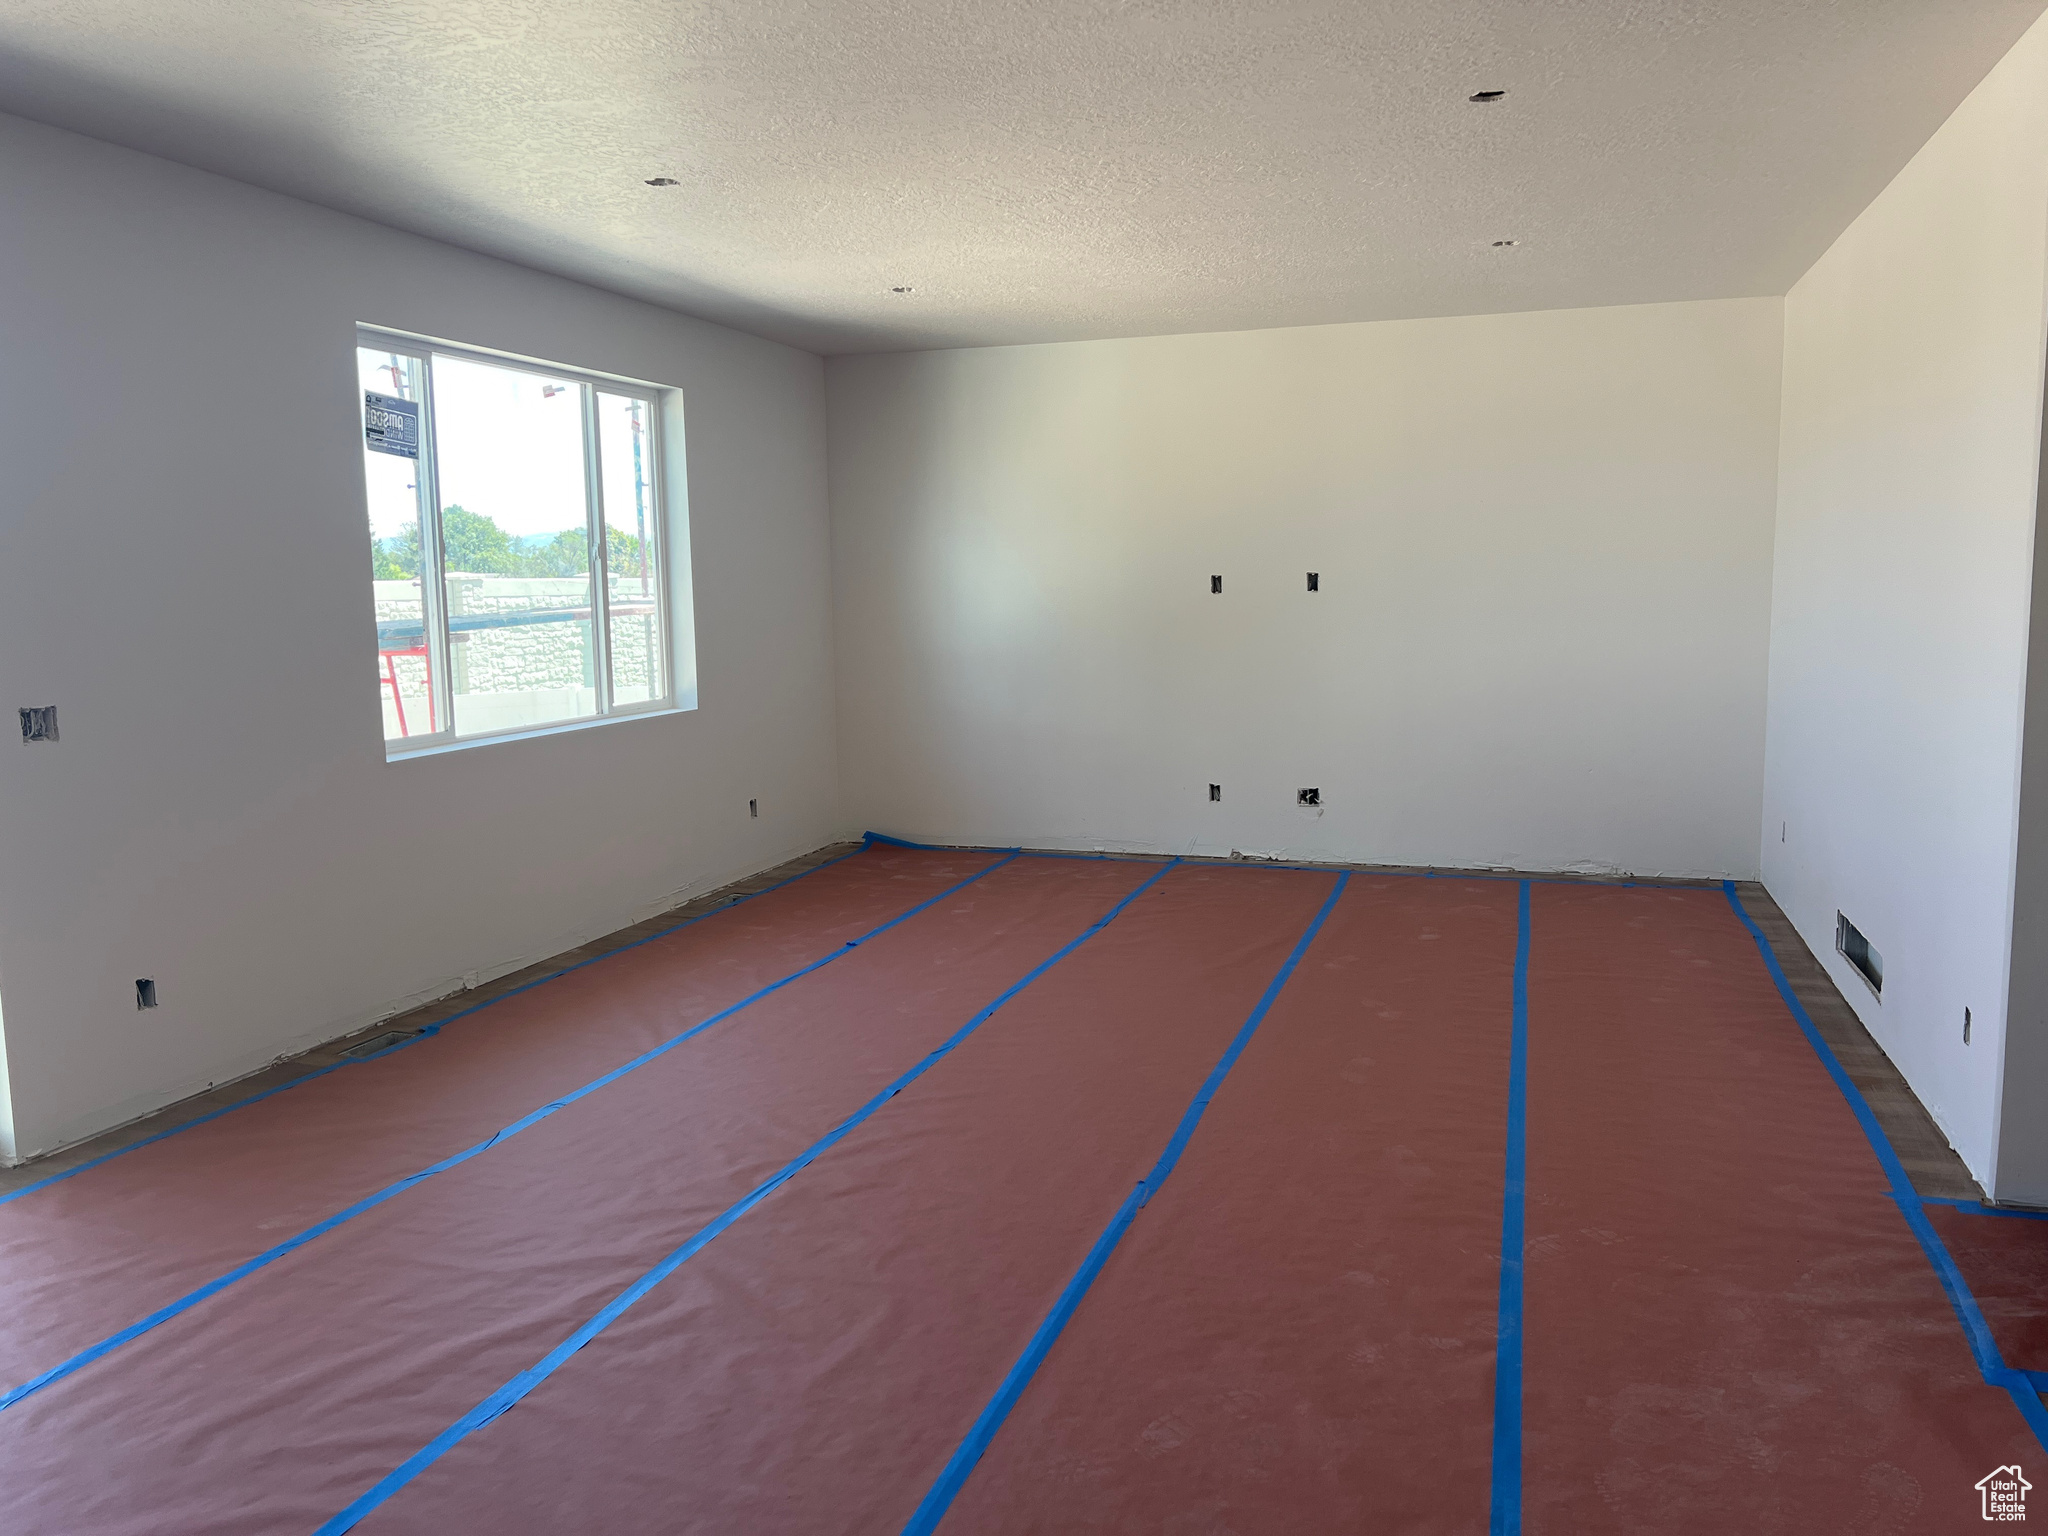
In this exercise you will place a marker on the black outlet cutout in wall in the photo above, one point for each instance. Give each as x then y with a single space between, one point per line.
754 809
1215 583
1315 581
1308 797
1966 1026
145 993
1215 791
39 724
1857 951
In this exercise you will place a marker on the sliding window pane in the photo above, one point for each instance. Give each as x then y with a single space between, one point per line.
625 429
515 528
391 384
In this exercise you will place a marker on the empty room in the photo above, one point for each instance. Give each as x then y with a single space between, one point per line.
843 769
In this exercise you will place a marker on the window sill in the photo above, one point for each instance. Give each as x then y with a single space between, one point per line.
399 754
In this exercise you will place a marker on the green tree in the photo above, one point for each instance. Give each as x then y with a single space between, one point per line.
623 553
397 558
471 542
566 554
476 544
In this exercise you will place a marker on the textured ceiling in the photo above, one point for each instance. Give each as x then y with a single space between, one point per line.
1055 169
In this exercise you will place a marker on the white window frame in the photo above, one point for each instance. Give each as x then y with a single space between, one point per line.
433 574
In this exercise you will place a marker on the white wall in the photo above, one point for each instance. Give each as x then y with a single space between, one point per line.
179 427
1544 543
2022 1148
1910 459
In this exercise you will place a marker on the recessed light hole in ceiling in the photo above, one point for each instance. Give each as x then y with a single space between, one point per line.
1502 245
663 181
900 290
1487 95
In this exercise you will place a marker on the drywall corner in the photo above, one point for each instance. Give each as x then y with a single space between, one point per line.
8 1156
1902 617
2019 1168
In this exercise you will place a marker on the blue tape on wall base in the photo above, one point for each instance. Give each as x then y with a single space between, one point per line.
523 1383
953 1476
1979 1208
390 1192
424 1034
1976 1331
879 839
1504 1516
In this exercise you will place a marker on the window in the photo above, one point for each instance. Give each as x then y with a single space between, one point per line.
518 541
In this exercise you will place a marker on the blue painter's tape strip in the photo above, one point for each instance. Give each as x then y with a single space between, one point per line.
1979 1208
425 1034
878 839
1170 1158
881 840
1976 1331
523 1383
953 1476
1504 1516
390 1192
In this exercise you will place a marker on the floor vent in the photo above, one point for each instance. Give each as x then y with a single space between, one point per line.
1857 951
376 1043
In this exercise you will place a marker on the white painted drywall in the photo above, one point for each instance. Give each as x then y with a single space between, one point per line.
183 573
2021 1170
1910 458
1544 543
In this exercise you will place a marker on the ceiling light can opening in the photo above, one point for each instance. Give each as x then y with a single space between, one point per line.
663 181
902 290
1486 95
1502 245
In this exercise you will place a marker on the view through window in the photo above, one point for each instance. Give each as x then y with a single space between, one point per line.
516 539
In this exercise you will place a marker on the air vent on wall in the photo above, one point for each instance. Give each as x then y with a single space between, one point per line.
1857 951
376 1043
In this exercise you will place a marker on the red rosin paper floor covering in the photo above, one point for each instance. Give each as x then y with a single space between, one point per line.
1018 1194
